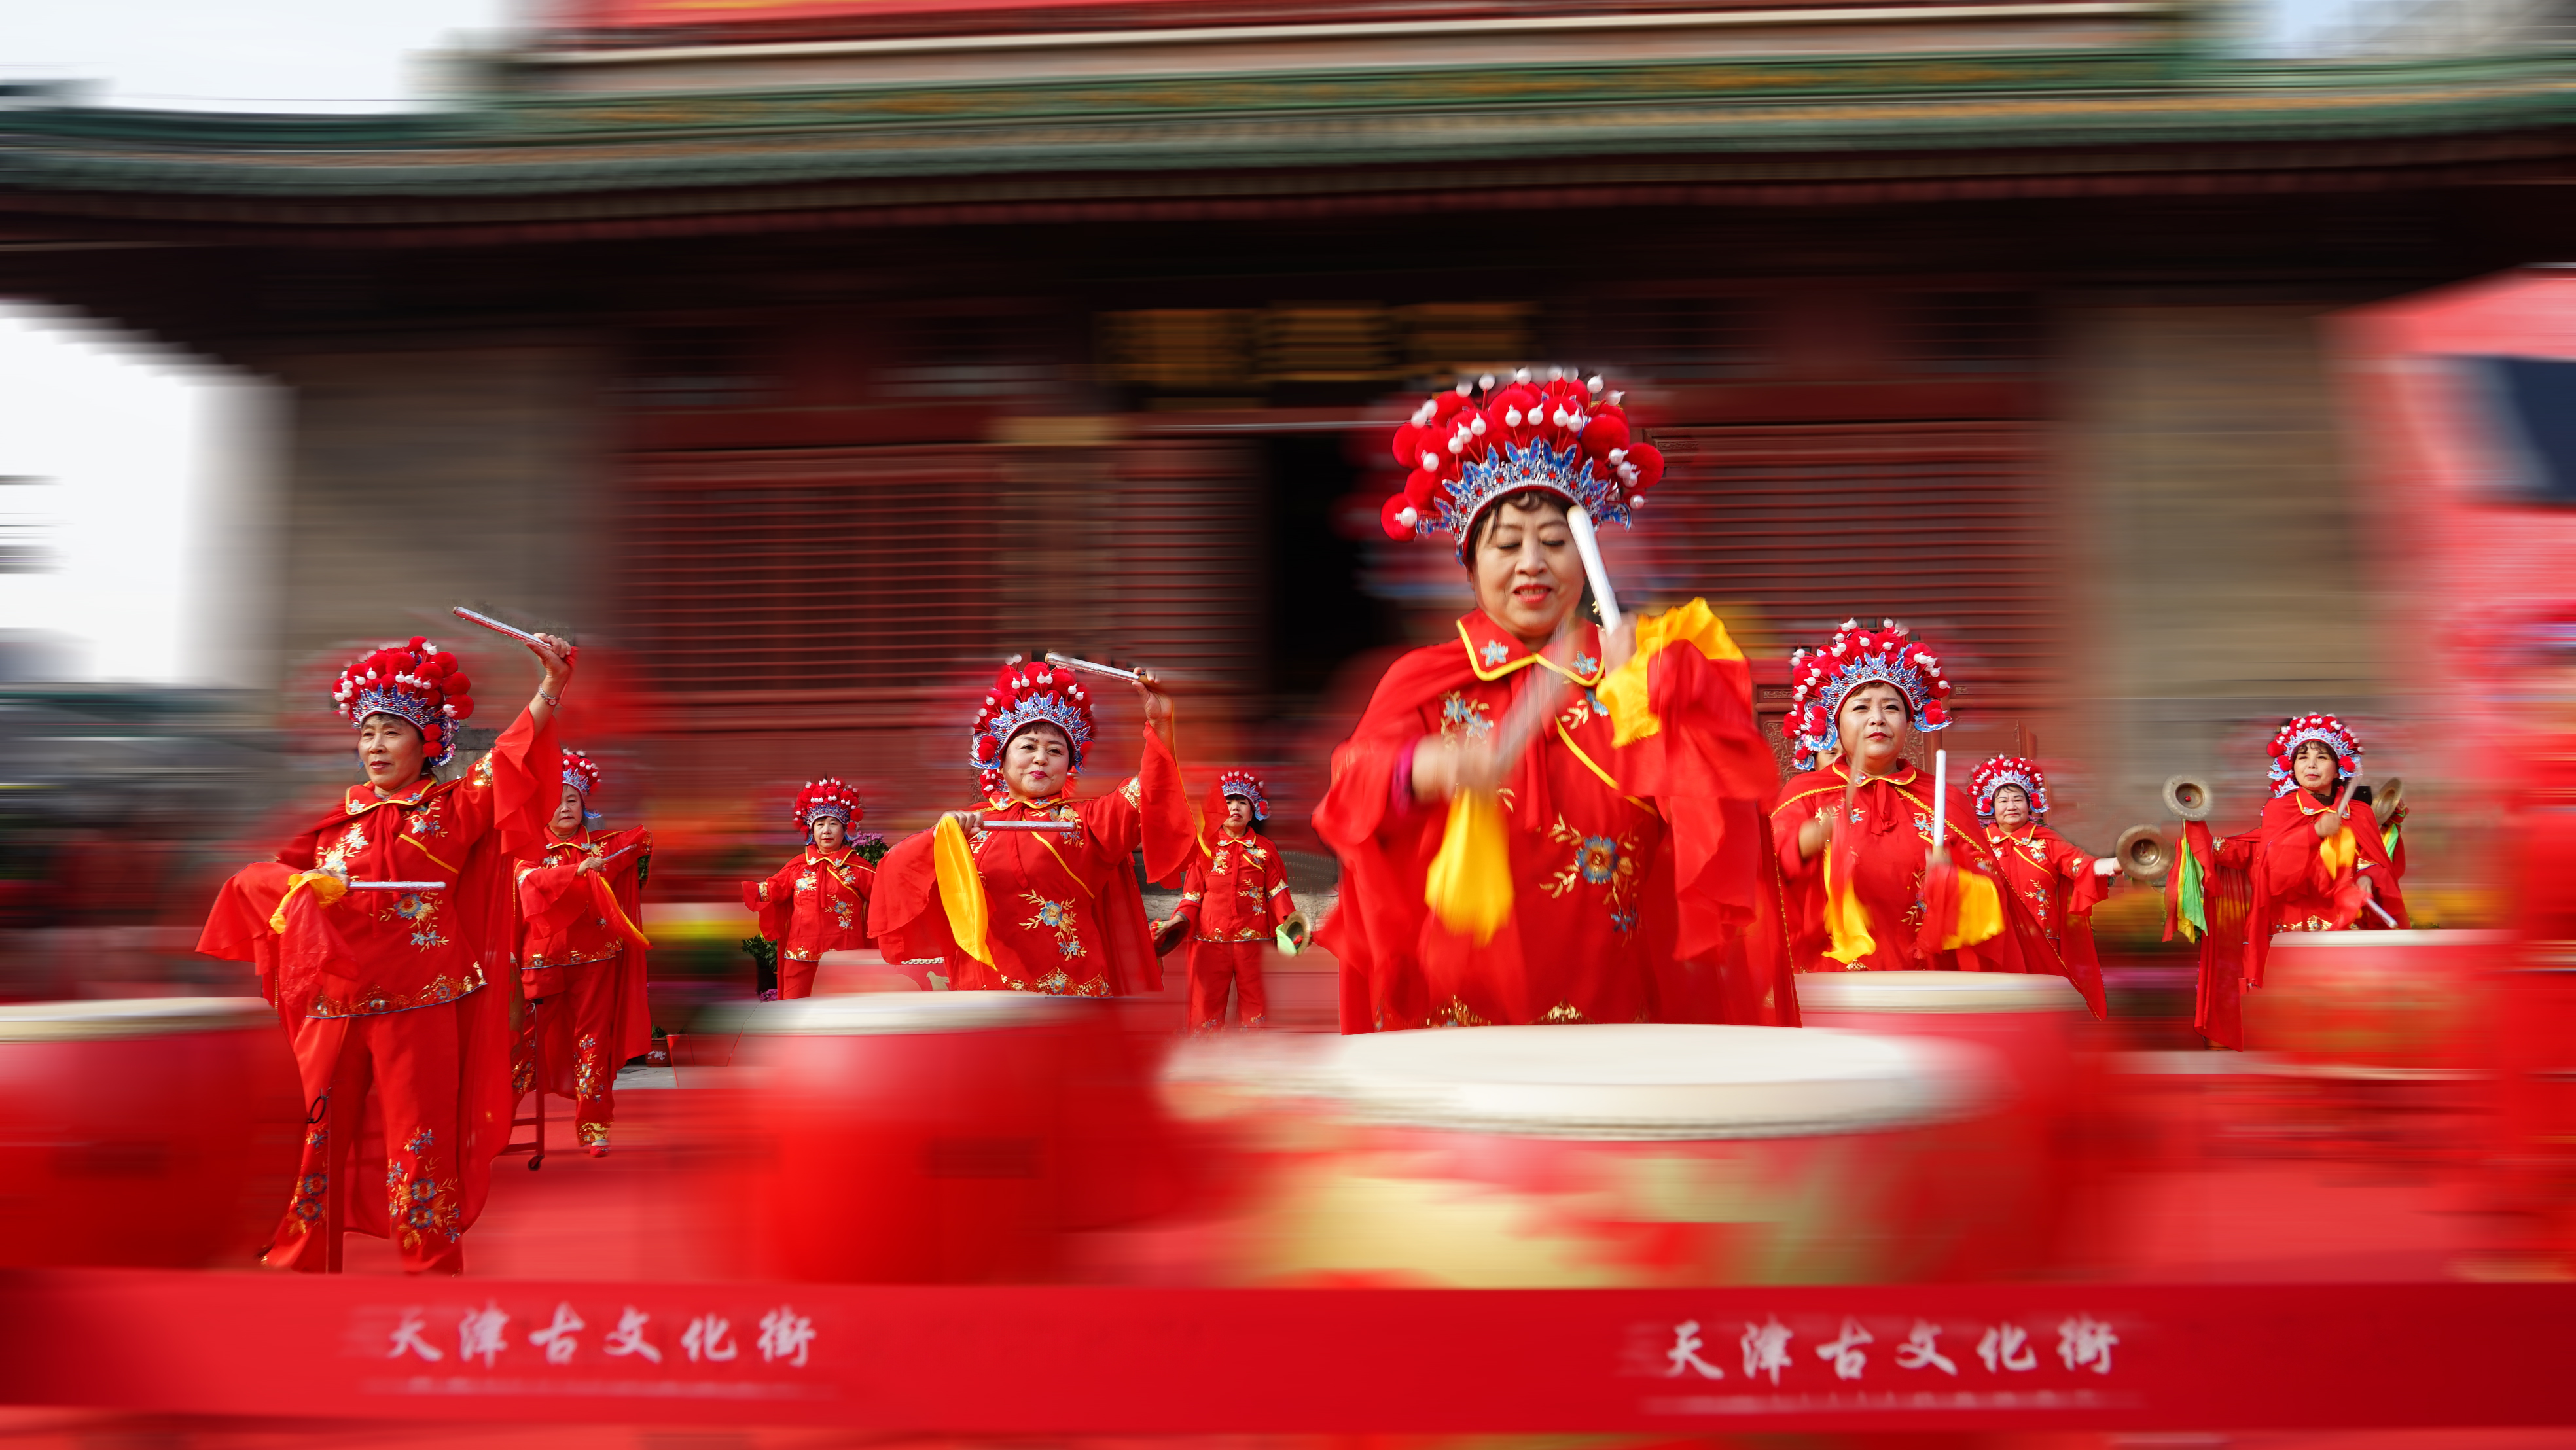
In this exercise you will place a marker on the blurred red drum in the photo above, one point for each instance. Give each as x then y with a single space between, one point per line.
942 1137
143 1131
2039 1027
2407 1001
1602 1156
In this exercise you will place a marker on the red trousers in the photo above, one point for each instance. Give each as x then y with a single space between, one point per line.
577 1025
389 1084
1217 965
795 978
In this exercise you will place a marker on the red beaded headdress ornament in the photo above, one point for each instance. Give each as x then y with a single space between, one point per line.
1468 447
827 797
580 772
1244 785
1026 694
2325 729
1819 680
2006 770
416 682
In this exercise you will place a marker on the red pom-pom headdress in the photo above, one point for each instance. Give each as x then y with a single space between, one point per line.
416 682
1820 680
1244 785
2325 729
2006 770
827 797
580 772
1024 695
1468 447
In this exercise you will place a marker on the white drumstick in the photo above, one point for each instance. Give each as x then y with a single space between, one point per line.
1588 545
2379 911
488 622
1070 663
397 886
1940 795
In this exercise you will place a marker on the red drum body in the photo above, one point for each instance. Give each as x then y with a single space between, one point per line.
2404 1000
143 1131
942 1137
2038 1028
1595 1156
2535 1049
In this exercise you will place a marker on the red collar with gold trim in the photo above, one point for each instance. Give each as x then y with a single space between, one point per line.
1493 651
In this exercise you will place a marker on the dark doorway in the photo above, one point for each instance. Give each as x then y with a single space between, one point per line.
1319 616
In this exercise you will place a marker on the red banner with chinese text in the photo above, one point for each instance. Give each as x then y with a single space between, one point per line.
1093 1360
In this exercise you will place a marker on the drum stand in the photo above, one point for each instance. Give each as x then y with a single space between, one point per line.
536 1150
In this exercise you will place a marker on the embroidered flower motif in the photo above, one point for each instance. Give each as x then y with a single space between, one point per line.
1495 652
1058 917
1585 664
1604 861
1598 858
353 841
1460 716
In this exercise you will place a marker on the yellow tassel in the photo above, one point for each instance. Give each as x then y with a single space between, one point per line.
2338 850
1981 912
1470 885
326 888
1845 918
614 914
961 890
1623 694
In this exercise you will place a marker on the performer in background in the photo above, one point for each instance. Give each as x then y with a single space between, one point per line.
818 901
2059 883
405 1058
1233 904
1538 823
1870 888
582 956
2305 867
1051 910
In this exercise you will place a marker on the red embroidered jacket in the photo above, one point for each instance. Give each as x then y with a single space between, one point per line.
816 903
1237 893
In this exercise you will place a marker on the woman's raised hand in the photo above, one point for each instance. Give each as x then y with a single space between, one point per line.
555 656
1157 702
1619 645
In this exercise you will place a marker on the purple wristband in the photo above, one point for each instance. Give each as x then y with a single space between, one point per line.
1400 785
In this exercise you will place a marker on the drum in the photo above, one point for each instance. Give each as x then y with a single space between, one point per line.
2031 1020
943 1137
158 1131
2040 1030
2406 1001
1597 1156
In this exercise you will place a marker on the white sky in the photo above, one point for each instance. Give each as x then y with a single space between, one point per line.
141 466
275 55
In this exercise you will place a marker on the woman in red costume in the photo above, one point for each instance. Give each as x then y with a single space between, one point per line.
1869 888
581 954
2304 868
2060 884
1233 904
405 1058
1538 823
1053 910
818 901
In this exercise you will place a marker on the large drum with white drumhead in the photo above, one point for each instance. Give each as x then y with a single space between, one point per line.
2039 1028
144 1131
1594 1156
942 1137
